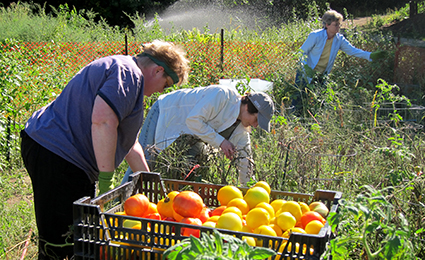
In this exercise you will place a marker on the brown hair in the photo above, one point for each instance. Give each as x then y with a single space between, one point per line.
331 16
173 55
251 108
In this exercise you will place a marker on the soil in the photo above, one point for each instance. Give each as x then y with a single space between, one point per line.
361 21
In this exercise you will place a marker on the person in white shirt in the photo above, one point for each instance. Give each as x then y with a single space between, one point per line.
216 114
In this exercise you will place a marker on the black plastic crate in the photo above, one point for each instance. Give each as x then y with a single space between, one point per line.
99 233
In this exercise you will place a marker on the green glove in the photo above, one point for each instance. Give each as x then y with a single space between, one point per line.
377 55
105 182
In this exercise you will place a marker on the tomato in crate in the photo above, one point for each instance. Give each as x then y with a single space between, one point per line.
93 218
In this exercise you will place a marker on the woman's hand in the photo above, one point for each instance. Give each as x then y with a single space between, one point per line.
228 149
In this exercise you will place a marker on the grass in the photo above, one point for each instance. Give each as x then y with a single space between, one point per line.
17 215
342 142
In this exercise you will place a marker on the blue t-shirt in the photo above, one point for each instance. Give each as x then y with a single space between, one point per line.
64 126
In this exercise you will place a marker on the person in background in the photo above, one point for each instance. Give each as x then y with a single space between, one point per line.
87 131
319 52
216 115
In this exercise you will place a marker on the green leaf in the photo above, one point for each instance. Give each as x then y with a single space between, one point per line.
334 220
261 253
338 250
404 221
378 198
240 252
421 230
205 257
218 242
369 188
196 245
409 188
353 210
171 255
176 247
392 247
379 213
372 227
402 233
181 254
364 209
208 241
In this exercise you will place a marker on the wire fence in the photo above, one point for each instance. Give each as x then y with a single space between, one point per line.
230 58
211 60
409 65
218 59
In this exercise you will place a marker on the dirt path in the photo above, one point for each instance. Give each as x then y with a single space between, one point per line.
361 21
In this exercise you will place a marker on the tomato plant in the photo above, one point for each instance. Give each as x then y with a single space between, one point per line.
370 224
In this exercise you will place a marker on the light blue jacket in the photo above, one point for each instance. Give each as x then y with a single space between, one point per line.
315 43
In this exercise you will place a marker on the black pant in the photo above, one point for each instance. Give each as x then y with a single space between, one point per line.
56 184
300 96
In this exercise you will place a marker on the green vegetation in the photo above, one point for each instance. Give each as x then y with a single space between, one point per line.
359 131
371 213
216 246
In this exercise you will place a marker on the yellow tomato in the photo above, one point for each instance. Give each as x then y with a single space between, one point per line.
227 193
257 217
264 185
286 220
240 203
256 195
230 221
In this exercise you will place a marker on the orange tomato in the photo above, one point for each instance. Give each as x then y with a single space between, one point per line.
188 204
205 214
156 216
165 206
190 231
177 216
152 208
137 205
218 211
310 216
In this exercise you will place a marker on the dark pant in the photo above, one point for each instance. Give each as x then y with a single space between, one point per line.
196 154
192 149
56 184
300 96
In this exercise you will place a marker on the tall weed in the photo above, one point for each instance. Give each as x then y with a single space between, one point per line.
29 22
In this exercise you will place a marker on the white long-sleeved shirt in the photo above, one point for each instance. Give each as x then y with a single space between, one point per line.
204 112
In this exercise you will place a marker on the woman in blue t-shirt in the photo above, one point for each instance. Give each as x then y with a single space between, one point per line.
87 131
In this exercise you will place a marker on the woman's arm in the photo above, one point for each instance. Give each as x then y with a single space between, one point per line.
136 159
104 135
348 48
243 146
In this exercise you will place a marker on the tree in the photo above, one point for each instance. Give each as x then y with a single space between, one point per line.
413 8
115 12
